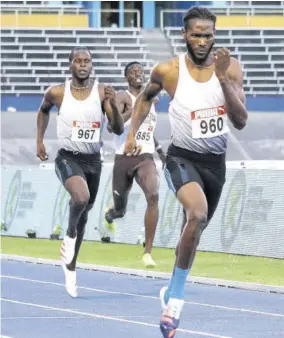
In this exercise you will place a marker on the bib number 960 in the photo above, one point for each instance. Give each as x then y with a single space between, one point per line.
212 125
209 127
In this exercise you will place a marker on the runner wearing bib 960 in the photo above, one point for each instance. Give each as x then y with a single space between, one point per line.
82 104
206 89
141 167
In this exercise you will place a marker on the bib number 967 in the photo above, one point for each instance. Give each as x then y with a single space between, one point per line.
86 134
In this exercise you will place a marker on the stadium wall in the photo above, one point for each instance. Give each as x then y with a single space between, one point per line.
30 103
46 20
248 221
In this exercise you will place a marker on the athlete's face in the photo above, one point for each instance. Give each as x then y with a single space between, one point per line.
81 65
135 76
199 37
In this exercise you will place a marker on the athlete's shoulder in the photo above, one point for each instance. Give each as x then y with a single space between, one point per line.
54 92
162 71
122 93
165 67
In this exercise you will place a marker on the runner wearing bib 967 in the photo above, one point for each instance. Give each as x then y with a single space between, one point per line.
141 167
82 104
206 89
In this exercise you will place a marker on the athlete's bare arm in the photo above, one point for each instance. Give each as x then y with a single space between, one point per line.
158 147
160 151
229 73
110 107
124 105
49 100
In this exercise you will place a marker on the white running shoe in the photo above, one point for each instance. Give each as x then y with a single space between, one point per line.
148 260
67 249
170 318
70 281
174 308
162 297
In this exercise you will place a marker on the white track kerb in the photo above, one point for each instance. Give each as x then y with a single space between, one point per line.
152 274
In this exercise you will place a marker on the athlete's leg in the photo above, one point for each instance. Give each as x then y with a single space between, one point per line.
184 179
193 199
147 177
93 181
213 181
165 291
199 198
73 178
79 192
122 182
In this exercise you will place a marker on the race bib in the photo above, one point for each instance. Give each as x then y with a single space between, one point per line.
209 122
88 132
145 134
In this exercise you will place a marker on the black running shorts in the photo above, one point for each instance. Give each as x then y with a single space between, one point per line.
88 166
127 167
208 170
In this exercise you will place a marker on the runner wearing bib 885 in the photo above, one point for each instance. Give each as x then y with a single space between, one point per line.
82 105
206 90
141 167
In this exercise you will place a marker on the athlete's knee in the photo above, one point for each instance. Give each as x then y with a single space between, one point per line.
199 217
80 200
119 213
113 213
119 208
196 221
152 197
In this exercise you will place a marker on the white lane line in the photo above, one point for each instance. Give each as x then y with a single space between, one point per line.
35 317
150 297
70 317
94 315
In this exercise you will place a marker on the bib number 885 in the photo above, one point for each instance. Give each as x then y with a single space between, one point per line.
143 136
212 125
87 134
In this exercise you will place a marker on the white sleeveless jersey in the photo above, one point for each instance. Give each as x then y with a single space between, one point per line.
144 135
197 114
80 123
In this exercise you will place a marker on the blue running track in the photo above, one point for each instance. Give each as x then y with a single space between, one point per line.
35 305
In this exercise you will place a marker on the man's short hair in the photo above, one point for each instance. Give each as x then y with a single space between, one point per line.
74 50
201 13
129 65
